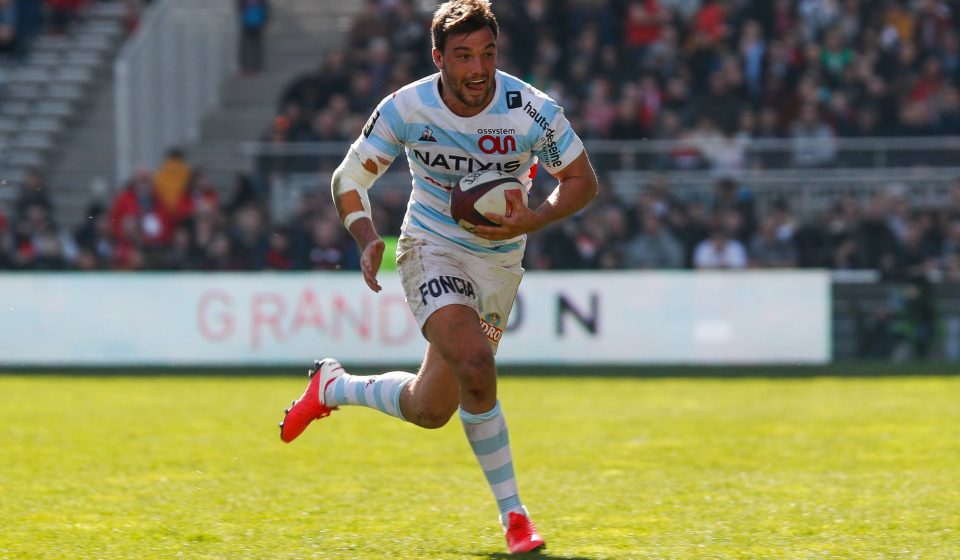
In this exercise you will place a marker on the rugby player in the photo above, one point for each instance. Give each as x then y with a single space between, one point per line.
460 286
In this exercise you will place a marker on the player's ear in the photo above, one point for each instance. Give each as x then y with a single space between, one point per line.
437 58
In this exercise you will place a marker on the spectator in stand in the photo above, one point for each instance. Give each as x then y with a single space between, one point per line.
313 90
63 13
948 111
289 126
768 249
877 242
369 23
952 212
29 21
94 240
279 255
170 180
249 238
9 36
6 241
721 250
711 21
33 192
205 225
950 254
730 199
555 248
919 251
218 254
199 193
949 52
814 142
325 247
753 51
254 16
643 28
654 246
600 111
626 123
138 217
40 245
182 254
245 190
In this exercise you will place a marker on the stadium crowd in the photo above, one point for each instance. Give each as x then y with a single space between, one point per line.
173 218
623 69
689 70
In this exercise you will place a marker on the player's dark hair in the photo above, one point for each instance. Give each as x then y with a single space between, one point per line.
460 17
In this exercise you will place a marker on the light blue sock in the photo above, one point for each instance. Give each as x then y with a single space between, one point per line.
380 392
488 437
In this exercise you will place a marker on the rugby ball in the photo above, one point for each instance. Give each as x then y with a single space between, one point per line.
481 192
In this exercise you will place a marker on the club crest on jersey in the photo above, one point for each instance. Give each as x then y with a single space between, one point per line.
426 135
514 101
435 287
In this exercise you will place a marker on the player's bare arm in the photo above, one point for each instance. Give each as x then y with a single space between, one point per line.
355 215
577 187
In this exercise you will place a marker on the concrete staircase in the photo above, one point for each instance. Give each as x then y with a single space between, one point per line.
61 89
298 36
300 32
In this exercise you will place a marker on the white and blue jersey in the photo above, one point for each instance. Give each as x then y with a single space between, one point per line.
519 128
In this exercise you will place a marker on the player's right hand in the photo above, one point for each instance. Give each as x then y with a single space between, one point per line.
370 262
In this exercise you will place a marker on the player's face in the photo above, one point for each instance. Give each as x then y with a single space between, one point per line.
467 68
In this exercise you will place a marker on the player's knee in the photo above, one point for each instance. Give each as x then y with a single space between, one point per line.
477 373
436 416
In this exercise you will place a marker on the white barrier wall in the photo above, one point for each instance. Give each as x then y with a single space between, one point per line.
601 318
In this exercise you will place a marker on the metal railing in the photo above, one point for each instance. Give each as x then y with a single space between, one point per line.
688 154
923 169
168 76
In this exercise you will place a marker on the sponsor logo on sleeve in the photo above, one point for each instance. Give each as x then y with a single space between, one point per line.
550 148
370 123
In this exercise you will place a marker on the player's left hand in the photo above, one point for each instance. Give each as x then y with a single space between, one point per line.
517 220
370 261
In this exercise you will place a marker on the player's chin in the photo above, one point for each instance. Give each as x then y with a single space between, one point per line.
476 96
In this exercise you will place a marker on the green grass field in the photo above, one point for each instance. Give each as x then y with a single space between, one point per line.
181 467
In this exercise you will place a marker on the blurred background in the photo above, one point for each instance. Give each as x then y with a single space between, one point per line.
747 138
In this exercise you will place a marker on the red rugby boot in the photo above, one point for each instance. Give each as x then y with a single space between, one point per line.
521 535
310 406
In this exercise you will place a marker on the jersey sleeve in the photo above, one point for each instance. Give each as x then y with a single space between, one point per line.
382 135
558 144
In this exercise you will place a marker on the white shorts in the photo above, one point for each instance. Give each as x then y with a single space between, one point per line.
434 276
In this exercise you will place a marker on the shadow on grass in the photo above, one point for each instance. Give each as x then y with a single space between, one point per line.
538 555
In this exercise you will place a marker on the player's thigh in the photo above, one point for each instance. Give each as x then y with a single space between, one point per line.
454 332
